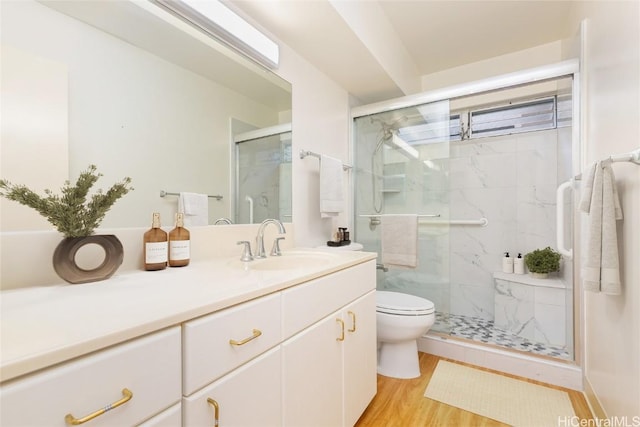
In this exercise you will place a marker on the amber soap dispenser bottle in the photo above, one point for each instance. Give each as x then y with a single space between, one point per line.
156 248
179 244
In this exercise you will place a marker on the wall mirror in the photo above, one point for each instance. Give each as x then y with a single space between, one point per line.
127 86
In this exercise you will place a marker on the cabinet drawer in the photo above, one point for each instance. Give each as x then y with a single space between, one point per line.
248 396
208 352
327 294
149 367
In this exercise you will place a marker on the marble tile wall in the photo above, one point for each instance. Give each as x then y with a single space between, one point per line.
531 311
510 180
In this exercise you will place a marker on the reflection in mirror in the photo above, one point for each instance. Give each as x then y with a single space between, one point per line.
133 90
263 175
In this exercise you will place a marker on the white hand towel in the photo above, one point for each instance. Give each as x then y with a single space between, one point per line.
600 271
399 240
195 207
587 188
331 197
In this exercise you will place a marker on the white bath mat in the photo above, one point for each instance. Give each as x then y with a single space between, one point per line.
508 400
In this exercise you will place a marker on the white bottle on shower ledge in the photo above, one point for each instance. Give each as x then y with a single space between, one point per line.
518 264
507 263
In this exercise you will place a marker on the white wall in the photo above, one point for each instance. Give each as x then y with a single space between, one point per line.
516 61
35 117
612 323
321 124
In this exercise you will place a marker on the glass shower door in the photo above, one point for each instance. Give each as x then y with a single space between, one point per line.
263 179
402 168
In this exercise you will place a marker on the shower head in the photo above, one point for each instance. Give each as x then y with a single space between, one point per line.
387 130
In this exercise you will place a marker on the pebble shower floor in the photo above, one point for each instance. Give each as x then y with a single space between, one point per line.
481 330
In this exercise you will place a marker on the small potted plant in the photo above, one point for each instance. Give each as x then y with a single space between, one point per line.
76 218
541 262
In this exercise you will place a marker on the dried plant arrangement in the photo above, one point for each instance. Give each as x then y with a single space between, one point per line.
70 213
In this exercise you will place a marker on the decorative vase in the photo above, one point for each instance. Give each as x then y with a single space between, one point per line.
539 275
64 258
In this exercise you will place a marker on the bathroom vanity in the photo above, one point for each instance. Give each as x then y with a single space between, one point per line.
284 341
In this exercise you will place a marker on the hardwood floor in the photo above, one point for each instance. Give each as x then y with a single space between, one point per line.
401 403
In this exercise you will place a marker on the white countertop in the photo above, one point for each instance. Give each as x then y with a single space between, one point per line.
42 326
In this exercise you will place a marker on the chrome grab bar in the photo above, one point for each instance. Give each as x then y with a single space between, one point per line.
374 220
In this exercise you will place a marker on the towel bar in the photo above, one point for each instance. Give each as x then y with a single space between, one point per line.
632 156
166 193
305 153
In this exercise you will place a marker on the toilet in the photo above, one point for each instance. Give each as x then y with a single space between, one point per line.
401 319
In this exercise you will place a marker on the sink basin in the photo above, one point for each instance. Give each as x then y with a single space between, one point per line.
290 261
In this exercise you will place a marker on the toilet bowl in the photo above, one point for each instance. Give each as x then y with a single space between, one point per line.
401 319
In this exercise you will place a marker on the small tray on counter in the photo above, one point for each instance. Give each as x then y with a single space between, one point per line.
341 243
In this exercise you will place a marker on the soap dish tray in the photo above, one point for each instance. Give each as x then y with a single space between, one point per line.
341 243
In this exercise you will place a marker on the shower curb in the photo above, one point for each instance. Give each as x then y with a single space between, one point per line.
562 374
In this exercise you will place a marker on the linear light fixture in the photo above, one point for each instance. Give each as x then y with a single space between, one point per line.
218 20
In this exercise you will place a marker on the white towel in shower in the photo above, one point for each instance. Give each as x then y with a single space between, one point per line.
601 271
399 240
331 197
195 207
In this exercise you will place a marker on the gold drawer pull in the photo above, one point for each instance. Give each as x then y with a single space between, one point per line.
70 419
353 321
341 330
216 411
256 334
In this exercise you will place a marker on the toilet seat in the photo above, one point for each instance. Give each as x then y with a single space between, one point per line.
400 304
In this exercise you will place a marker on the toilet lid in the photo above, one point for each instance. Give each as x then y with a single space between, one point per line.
402 304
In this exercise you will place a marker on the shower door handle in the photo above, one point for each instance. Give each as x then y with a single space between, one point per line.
562 188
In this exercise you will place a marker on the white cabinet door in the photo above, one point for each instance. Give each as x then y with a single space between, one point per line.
246 397
360 379
312 376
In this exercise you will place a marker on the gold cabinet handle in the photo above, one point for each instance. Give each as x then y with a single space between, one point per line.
353 321
216 411
127 395
256 334
341 330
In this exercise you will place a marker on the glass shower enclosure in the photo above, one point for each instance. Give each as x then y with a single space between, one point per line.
263 175
480 172
402 168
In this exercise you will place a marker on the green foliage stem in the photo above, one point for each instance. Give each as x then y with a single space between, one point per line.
70 213
543 260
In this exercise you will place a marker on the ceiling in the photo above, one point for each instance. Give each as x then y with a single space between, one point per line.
339 36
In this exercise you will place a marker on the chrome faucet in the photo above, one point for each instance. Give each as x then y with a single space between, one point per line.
223 221
260 252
